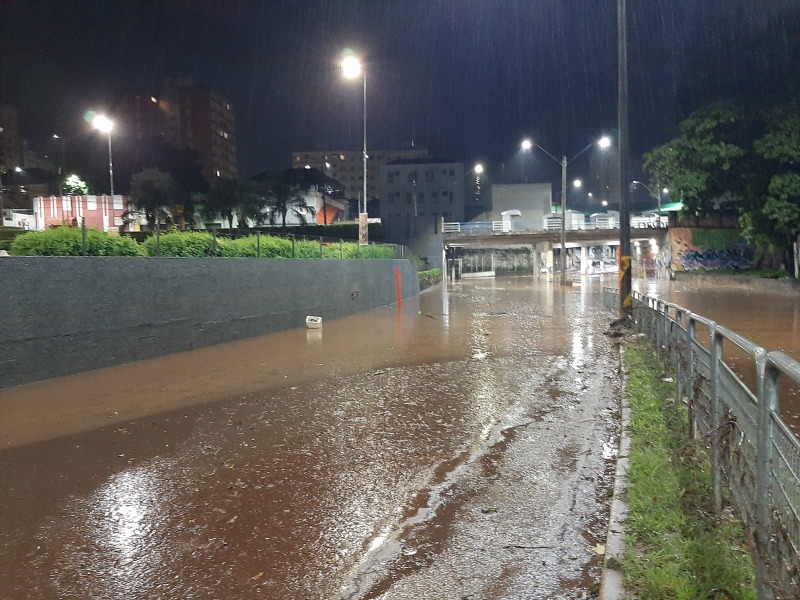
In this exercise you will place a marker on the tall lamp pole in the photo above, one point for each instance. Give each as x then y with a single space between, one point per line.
351 68
625 282
603 142
104 124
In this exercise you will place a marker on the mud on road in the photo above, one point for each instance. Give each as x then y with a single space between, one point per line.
461 448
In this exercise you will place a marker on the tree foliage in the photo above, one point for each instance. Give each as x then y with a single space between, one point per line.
238 198
727 157
153 192
285 196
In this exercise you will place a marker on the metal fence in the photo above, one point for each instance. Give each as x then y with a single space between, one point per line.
753 452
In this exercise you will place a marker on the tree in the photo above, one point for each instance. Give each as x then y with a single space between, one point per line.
726 157
703 165
284 196
153 192
780 149
234 197
75 185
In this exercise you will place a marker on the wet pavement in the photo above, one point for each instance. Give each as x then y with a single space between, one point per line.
459 448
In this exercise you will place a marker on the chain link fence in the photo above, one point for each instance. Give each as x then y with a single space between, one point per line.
734 407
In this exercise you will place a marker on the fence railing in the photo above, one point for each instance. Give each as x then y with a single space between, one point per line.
753 451
549 223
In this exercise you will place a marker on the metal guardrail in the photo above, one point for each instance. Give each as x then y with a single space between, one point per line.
753 452
549 223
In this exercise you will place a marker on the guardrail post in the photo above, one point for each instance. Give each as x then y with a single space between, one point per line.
659 319
294 252
686 379
258 244
768 405
341 248
83 236
716 416
320 247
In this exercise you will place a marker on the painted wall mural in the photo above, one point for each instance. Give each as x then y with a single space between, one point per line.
709 249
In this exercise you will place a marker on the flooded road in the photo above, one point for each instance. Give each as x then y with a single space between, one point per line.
766 312
461 447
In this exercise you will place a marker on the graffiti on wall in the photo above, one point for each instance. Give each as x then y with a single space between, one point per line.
709 250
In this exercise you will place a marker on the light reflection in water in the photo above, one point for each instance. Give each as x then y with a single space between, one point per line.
128 520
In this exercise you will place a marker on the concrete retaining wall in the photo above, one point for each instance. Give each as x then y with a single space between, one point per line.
63 315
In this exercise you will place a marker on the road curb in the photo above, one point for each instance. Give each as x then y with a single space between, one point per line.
611 582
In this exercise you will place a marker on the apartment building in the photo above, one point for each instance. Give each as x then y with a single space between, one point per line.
422 187
187 116
347 166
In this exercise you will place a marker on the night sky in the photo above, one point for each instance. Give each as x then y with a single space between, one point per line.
466 79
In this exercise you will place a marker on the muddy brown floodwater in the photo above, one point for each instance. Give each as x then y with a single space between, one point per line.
766 312
460 448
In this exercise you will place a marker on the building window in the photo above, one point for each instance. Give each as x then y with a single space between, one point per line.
390 177
429 175
412 177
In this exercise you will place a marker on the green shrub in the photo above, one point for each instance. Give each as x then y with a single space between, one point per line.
429 278
180 244
68 241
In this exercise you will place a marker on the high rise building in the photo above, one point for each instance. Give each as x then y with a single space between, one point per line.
208 126
347 166
10 155
187 116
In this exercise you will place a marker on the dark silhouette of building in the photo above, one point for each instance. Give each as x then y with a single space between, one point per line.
187 116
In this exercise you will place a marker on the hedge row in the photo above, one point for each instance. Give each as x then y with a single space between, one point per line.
67 241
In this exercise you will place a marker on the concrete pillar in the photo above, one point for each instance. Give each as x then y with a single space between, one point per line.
584 261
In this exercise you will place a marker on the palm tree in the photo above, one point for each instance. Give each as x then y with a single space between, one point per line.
234 197
153 192
284 196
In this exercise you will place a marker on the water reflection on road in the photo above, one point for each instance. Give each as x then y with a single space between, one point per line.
293 465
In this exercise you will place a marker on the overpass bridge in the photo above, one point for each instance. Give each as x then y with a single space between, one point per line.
543 242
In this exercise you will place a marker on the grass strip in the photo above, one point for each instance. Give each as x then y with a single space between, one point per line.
676 546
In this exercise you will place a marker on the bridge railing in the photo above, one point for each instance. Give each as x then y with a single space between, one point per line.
754 453
552 223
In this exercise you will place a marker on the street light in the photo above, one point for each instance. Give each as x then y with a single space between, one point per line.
61 165
351 69
105 125
603 142
577 183
652 193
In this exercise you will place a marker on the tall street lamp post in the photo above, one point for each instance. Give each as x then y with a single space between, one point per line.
104 124
603 142
351 68
61 164
657 196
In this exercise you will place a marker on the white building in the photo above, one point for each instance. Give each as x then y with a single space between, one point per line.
347 166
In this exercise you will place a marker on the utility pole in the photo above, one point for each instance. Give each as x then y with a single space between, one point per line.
625 291
563 220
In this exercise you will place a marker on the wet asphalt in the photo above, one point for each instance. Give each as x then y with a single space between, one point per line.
462 447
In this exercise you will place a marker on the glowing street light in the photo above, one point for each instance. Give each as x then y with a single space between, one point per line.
652 193
105 125
478 168
351 69
577 184
603 142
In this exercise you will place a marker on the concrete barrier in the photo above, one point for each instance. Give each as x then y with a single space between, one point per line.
64 315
